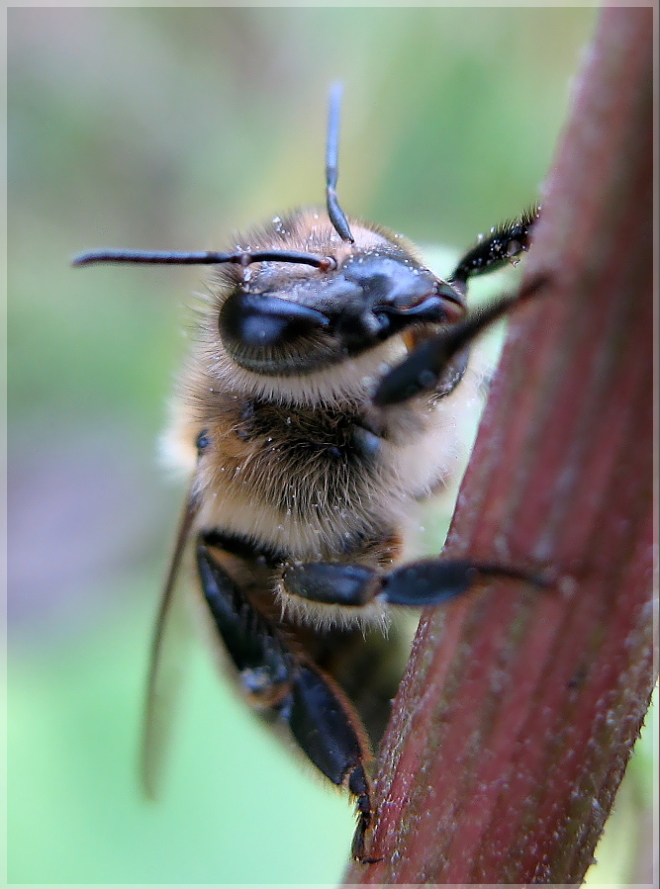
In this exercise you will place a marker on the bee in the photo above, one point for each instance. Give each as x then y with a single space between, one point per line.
317 409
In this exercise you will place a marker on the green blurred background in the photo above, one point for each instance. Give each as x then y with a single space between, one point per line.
170 128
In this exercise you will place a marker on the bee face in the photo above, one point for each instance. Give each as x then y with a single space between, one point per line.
277 321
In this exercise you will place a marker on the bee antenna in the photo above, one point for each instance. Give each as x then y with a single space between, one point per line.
335 212
169 257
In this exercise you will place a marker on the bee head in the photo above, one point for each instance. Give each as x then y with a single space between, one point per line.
282 319
312 290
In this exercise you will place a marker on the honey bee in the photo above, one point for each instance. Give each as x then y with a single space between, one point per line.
317 409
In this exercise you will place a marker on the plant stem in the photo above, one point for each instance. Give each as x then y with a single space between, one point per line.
520 706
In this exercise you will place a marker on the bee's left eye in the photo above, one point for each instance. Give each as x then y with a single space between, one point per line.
258 321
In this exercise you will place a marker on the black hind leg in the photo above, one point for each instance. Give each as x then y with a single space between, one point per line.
320 717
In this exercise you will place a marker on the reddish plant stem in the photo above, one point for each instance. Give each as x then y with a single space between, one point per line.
517 714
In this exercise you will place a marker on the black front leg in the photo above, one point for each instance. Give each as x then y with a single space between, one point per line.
425 367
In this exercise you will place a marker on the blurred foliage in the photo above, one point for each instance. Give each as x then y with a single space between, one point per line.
153 127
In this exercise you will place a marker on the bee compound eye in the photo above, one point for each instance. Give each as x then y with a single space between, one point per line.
254 321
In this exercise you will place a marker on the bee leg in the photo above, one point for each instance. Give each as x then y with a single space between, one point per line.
428 365
420 583
423 370
328 730
320 717
265 665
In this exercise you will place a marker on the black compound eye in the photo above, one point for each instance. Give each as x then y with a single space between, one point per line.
261 321
269 334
